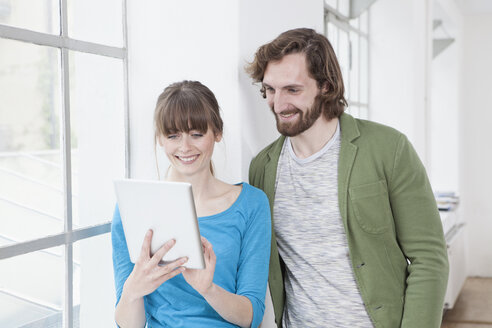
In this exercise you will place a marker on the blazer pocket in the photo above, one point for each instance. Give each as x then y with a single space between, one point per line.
371 206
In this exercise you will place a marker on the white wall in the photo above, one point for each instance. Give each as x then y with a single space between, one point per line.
476 159
210 41
399 54
174 40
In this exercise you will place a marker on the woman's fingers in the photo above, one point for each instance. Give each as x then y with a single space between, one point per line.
173 266
148 275
213 258
205 242
208 251
157 257
211 255
170 275
145 252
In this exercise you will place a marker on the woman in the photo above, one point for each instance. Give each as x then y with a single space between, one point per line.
235 219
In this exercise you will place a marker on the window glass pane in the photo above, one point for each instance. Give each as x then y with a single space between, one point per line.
364 71
354 111
348 110
344 59
32 289
98 135
332 36
31 183
364 113
344 7
38 15
354 67
94 291
85 19
364 22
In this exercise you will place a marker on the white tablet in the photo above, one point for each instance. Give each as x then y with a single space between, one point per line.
169 210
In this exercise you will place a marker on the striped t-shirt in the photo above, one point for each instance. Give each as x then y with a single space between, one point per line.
319 283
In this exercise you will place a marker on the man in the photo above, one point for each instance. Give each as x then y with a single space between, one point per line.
360 242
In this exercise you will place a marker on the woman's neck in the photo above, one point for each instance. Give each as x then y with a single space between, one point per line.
203 184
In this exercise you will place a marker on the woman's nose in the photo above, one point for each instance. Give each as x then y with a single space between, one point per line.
185 144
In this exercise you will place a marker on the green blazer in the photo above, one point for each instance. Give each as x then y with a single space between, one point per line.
394 232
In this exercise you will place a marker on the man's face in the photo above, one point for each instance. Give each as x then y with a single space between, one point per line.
290 93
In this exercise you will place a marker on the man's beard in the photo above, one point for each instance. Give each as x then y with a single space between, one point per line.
303 122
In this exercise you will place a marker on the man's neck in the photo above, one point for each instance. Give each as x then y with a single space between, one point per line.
313 139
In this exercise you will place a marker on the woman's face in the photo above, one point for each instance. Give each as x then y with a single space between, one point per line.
190 153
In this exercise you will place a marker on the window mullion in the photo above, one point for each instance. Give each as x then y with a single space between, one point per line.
25 247
126 94
67 168
67 184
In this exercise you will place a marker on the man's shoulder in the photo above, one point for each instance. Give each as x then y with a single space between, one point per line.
376 135
371 128
257 167
268 151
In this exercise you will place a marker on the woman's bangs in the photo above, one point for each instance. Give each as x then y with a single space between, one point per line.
185 118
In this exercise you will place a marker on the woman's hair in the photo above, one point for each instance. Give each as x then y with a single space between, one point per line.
321 63
185 106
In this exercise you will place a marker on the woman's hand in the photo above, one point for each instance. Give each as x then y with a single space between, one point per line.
202 279
147 275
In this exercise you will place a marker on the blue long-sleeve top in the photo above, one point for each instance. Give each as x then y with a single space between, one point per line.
240 237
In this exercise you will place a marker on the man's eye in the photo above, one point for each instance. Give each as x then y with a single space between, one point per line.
293 90
269 89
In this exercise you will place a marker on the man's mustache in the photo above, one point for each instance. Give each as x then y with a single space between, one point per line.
287 111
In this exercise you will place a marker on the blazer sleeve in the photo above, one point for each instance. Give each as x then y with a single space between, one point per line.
419 232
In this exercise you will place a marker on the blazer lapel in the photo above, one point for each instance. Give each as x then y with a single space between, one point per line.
348 151
271 169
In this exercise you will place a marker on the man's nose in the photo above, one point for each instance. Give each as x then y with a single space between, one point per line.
278 102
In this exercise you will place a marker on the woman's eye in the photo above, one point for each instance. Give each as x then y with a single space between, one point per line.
197 135
172 136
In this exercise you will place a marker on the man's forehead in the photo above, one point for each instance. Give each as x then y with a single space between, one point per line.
290 70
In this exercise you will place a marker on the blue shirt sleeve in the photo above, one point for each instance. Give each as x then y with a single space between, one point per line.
252 275
122 266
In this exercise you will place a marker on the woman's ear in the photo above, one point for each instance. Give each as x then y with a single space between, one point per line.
218 137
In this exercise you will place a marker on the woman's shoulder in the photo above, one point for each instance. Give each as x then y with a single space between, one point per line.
244 198
255 208
253 195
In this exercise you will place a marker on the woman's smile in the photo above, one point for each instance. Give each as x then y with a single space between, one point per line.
187 159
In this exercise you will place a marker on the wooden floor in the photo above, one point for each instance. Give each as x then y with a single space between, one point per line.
473 309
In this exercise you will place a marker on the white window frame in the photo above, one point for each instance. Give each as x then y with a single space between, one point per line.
341 21
69 236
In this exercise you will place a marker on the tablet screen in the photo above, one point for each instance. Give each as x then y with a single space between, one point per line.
169 210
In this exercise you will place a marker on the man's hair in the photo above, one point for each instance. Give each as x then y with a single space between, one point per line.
321 63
